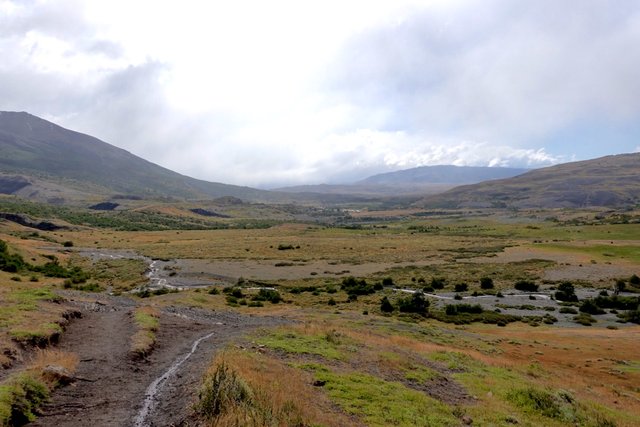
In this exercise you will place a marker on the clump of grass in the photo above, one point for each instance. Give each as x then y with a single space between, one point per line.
249 389
147 320
22 393
224 391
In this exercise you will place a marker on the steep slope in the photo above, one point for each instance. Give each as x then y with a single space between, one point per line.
611 181
443 174
52 160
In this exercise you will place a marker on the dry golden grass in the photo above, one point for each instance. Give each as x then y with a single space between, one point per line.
51 357
589 362
281 395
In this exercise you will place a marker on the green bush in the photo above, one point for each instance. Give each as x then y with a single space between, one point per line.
590 307
414 304
566 292
268 295
486 283
438 283
461 287
352 286
526 286
386 306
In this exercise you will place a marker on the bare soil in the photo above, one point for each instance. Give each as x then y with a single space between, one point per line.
110 386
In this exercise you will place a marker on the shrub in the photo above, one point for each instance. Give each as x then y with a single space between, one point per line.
568 310
469 308
486 283
331 301
590 307
634 280
526 286
68 244
282 247
388 282
213 291
461 287
566 292
414 304
353 286
386 306
438 283
270 295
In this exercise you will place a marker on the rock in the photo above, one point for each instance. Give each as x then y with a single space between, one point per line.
59 374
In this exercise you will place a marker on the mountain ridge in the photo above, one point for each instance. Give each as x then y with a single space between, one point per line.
609 181
46 152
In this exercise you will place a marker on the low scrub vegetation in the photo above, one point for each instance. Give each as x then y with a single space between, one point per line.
22 393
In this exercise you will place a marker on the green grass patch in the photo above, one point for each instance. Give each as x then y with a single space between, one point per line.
383 403
146 321
20 396
328 345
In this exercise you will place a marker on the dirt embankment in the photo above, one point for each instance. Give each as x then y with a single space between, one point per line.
111 387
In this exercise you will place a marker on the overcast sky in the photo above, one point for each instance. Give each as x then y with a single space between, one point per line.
269 93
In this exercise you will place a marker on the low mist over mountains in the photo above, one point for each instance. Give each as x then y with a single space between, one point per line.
43 161
611 181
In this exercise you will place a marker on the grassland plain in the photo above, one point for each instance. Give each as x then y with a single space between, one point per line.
359 365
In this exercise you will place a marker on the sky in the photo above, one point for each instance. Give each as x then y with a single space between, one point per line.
275 93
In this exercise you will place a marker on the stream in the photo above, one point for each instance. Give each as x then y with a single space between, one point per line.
156 385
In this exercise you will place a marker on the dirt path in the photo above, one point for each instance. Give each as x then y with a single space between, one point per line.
111 387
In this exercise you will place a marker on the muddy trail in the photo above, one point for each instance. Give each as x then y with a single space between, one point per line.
113 389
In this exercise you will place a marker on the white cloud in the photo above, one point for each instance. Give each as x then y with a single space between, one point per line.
268 93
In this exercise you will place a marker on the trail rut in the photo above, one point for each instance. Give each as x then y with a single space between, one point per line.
111 387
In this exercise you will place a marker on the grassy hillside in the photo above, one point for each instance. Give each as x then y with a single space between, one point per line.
40 153
610 181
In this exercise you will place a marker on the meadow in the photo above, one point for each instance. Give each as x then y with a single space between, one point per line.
455 343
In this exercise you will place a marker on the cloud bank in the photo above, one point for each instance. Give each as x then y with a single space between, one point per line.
277 93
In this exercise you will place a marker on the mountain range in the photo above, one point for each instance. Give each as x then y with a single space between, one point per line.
42 161
611 181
